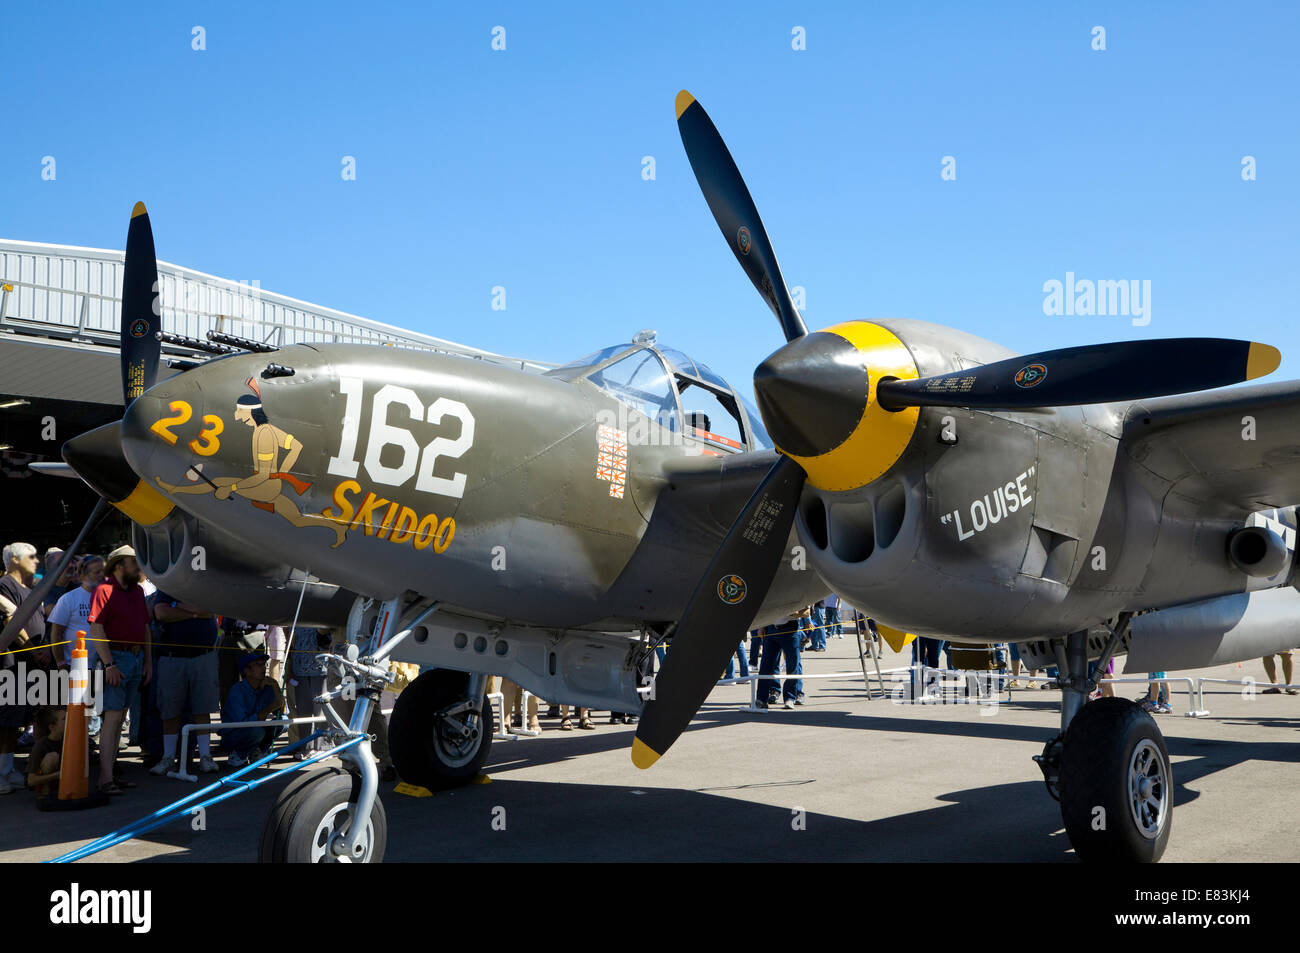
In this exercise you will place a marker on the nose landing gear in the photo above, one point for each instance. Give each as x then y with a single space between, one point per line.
311 818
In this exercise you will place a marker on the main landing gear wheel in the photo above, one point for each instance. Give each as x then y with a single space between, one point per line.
435 750
1116 783
312 817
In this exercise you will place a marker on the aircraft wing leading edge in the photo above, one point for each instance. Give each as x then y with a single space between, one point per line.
1231 450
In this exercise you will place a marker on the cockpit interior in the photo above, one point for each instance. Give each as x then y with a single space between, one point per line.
678 393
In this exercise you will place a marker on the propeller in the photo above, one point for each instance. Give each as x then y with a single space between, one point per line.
813 392
742 570
826 399
1092 374
98 452
734 210
140 309
720 610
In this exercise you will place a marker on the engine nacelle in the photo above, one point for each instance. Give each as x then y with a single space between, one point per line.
1257 551
1232 628
199 563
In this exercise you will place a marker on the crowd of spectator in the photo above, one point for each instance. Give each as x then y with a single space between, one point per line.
159 662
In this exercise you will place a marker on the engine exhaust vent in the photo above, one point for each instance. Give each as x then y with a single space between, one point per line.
852 531
1256 551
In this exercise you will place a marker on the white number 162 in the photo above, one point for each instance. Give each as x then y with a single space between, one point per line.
383 434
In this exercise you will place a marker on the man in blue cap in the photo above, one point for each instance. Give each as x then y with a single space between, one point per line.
255 697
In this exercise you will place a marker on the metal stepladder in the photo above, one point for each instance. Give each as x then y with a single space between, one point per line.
868 646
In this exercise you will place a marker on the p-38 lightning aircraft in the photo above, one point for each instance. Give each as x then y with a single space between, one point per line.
553 527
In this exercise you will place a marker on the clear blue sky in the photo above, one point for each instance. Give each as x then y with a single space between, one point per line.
522 168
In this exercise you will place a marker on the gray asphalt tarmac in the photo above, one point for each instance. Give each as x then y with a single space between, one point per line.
844 778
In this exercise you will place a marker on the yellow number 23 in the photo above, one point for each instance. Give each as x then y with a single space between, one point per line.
206 444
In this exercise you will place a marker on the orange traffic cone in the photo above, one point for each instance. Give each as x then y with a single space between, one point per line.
74 766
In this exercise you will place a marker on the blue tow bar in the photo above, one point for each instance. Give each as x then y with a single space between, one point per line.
227 787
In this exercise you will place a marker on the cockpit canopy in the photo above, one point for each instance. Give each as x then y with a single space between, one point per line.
680 394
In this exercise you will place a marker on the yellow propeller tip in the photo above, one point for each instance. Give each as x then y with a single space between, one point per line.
684 100
1262 359
643 756
139 210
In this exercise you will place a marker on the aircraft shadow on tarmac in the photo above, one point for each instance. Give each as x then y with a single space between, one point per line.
578 822
1014 821
557 821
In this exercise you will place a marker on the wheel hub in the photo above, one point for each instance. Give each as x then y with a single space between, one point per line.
457 741
329 844
1148 787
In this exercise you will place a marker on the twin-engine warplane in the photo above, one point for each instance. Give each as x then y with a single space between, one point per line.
555 526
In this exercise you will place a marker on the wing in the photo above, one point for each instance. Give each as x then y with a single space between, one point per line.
1236 449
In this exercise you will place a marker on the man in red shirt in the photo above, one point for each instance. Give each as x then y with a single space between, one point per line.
119 629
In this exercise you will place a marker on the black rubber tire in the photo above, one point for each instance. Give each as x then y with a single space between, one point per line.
411 732
1095 758
268 848
297 817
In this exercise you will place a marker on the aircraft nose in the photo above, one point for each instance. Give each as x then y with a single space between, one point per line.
812 393
160 424
98 458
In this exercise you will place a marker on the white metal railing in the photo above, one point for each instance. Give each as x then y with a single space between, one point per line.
70 291
1193 708
1245 683
211 726
504 732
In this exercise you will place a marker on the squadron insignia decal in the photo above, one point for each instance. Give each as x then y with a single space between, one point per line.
732 589
1031 375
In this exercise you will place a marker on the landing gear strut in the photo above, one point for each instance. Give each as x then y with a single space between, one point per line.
1109 767
334 815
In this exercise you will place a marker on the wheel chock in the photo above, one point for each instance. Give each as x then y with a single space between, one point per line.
482 779
412 790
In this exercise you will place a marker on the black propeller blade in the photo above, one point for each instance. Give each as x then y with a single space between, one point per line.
734 211
141 310
1092 374
738 578
724 604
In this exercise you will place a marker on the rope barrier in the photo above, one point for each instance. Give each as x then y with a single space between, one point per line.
235 648
165 645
